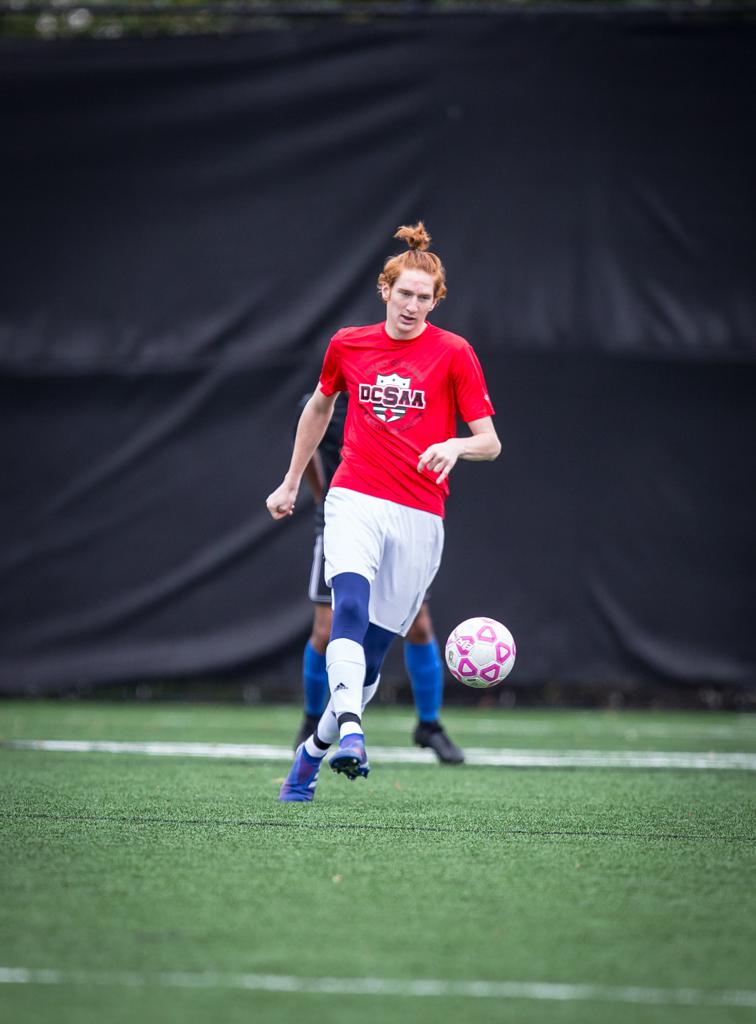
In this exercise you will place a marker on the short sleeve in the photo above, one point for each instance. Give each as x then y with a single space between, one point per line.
331 376
470 389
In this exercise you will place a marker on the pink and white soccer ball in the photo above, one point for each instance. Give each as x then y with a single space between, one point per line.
480 652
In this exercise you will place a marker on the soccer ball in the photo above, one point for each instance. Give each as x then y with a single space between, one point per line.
480 652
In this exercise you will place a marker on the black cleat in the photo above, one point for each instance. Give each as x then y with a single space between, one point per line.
306 729
432 735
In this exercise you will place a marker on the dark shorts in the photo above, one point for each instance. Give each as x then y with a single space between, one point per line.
319 591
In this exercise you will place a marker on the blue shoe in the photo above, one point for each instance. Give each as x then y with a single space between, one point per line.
299 784
351 757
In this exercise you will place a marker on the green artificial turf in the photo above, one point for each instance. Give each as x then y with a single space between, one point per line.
147 864
562 730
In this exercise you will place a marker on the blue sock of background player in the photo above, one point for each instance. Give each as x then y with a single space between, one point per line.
422 659
423 664
315 681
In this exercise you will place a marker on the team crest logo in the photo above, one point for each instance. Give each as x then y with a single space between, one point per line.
391 396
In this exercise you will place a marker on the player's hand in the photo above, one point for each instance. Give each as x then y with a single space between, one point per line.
440 458
281 502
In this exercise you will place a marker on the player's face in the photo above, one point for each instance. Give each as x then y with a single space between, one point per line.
408 301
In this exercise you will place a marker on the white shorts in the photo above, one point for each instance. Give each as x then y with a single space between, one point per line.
398 549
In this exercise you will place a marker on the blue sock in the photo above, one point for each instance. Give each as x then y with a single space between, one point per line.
351 600
424 668
315 681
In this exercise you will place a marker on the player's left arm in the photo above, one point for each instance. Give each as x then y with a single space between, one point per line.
482 445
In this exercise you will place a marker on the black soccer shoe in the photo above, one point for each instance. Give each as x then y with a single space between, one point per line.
306 729
432 735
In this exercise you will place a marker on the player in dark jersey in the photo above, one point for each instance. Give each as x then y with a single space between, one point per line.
422 657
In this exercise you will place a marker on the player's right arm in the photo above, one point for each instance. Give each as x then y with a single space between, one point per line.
313 423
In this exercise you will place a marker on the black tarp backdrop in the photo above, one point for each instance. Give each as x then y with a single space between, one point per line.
186 221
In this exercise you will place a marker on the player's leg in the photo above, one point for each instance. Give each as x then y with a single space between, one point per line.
353 543
356 543
326 732
342 718
345 657
314 672
351 757
422 659
376 644
302 779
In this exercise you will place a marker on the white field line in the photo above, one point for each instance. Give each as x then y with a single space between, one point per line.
384 987
503 758
501 725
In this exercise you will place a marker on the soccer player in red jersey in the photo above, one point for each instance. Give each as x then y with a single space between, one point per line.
407 382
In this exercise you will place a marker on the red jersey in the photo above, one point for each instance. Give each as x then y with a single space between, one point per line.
403 397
